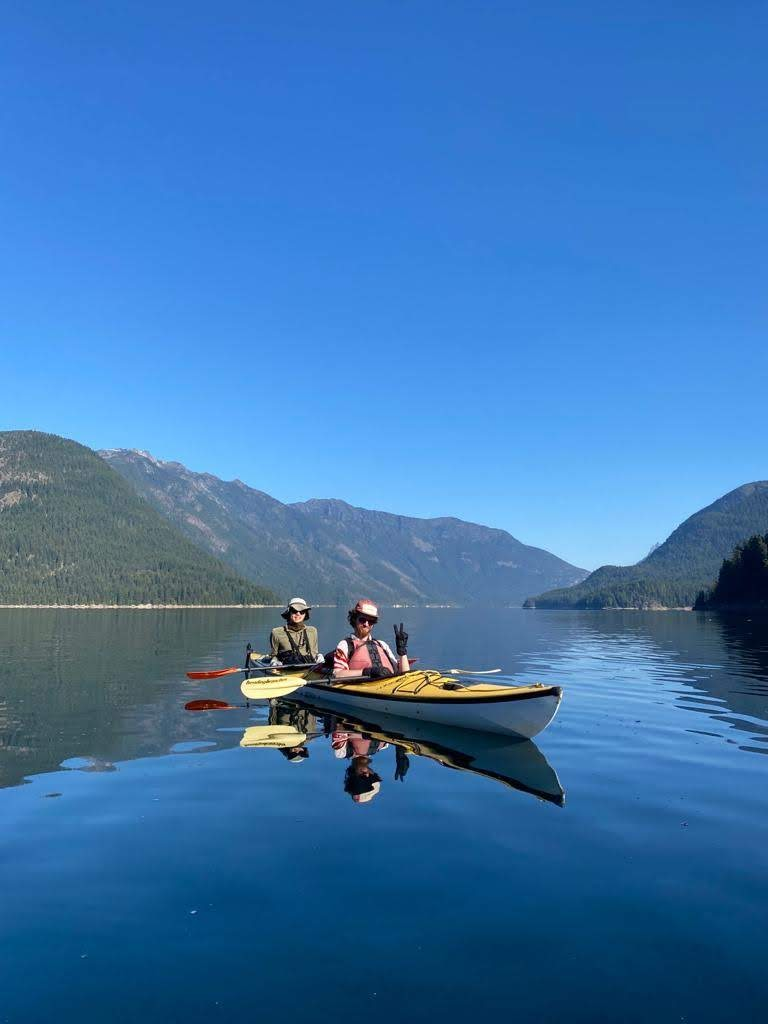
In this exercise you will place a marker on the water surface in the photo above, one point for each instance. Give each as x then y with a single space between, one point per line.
152 867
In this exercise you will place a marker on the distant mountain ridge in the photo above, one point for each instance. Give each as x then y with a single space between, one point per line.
673 573
329 551
72 531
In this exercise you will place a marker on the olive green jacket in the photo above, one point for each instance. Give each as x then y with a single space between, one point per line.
304 638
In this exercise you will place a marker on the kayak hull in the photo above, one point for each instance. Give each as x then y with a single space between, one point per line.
512 711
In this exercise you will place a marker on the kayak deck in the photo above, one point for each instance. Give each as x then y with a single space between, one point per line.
427 685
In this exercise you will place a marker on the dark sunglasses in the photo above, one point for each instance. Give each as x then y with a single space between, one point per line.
298 611
365 618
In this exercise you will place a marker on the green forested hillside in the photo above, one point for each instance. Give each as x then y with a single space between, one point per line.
743 578
687 562
72 531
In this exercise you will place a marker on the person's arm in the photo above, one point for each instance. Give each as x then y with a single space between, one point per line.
341 656
274 646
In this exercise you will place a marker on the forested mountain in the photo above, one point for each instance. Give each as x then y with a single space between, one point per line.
743 578
673 573
329 551
72 531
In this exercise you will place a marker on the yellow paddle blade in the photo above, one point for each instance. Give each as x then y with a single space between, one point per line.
269 687
275 736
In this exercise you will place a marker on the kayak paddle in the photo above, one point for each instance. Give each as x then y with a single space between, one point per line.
216 673
251 689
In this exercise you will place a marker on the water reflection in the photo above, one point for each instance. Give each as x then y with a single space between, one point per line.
361 745
102 685
706 664
288 730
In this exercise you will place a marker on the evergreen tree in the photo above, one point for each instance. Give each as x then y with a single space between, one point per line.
743 578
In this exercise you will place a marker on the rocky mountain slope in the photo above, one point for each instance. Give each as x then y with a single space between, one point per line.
329 551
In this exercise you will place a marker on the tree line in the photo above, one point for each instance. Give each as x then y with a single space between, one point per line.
743 578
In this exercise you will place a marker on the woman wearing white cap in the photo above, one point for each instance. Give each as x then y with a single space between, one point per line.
360 654
295 643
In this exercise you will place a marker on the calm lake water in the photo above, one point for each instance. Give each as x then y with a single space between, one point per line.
152 868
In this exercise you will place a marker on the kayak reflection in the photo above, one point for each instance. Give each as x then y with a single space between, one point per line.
518 764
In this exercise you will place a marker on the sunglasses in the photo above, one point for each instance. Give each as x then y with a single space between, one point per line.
362 619
298 611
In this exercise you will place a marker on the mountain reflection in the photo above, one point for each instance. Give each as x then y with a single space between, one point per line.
373 752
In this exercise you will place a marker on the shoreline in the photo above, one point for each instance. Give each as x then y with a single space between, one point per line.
155 607
618 608
134 607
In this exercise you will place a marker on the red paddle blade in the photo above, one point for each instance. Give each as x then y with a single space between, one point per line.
213 675
208 705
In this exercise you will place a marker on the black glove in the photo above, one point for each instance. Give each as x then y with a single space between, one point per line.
402 764
401 640
376 672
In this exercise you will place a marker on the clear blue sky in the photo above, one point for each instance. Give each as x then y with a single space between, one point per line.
498 260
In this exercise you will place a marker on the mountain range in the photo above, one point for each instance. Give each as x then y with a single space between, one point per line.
330 551
122 527
672 574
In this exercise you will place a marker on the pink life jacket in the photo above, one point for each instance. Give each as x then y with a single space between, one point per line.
365 653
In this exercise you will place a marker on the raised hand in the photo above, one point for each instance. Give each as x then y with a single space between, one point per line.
402 764
401 640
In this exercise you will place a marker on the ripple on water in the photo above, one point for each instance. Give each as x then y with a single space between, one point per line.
190 746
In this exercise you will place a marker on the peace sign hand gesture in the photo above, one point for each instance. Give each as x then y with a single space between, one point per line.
401 640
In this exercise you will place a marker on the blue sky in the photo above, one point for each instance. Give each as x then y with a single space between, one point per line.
504 261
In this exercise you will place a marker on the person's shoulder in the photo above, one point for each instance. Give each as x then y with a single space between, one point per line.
278 629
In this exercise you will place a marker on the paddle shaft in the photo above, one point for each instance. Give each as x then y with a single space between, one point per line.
279 669
474 672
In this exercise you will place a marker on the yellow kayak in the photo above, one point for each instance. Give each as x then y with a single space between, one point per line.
428 695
